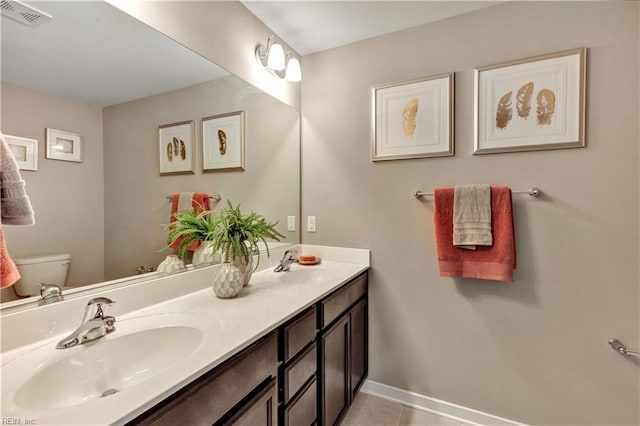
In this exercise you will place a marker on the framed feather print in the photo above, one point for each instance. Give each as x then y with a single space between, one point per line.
175 145
223 142
531 104
413 119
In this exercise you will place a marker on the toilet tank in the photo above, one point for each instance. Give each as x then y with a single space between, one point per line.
49 269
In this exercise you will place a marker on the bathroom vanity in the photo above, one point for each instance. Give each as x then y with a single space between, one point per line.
290 349
320 352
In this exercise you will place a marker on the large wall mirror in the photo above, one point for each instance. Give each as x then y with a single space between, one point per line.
95 71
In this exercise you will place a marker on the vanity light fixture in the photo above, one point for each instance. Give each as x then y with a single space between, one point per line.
274 60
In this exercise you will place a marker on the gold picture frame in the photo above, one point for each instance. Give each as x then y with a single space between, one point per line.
175 148
531 104
413 119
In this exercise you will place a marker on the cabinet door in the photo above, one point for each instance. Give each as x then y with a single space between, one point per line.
335 372
261 410
359 346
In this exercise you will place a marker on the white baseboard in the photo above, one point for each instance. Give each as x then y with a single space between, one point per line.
443 408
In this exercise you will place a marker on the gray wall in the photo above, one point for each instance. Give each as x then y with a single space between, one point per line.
135 193
534 350
67 197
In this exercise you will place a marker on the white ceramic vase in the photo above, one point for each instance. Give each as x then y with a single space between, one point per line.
246 268
227 281
170 264
205 255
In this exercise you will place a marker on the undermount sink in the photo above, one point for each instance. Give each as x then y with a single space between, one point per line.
305 274
141 348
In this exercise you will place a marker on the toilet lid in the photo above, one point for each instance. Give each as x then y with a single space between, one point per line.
41 259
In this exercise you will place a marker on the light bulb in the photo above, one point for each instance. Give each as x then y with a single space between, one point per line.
275 58
293 73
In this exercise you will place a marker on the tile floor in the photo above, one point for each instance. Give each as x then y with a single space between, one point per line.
369 410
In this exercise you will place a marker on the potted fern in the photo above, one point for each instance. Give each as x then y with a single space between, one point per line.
189 227
237 236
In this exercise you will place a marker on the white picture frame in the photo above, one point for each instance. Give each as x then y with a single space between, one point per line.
63 145
24 150
531 104
175 147
413 119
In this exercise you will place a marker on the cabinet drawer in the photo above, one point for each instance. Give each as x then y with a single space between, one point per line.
299 372
303 411
337 303
209 398
299 333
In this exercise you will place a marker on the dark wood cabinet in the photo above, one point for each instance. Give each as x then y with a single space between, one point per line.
343 351
261 410
306 372
335 371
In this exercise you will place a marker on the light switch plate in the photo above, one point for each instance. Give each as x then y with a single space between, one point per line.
291 223
311 224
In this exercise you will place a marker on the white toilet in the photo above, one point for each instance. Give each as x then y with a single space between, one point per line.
49 269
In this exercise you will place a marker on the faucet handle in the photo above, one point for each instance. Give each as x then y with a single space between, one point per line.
98 301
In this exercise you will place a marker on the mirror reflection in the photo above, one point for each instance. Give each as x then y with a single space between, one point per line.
92 70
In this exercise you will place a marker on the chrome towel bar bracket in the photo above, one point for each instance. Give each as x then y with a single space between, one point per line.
533 192
618 346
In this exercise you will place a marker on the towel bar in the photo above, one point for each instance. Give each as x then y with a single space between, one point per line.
534 192
215 197
618 346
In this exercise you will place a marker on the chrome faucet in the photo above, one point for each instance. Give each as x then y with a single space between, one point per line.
289 257
94 325
50 293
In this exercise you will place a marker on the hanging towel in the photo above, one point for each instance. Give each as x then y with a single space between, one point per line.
197 201
472 216
8 270
15 206
495 262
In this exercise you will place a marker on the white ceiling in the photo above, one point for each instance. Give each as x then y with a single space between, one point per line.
312 26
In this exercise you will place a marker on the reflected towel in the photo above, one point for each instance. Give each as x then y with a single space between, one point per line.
472 216
197 201
15 206
8 270
495 262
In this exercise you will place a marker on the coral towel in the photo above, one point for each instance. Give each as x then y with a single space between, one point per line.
495 262
8 270
198 201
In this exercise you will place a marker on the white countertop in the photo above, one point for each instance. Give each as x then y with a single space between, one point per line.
230 325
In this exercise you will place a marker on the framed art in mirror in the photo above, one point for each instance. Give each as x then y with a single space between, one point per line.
63 145
223 142
413 119
531 104
175 145
24 150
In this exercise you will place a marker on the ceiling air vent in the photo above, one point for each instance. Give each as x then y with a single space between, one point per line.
22 13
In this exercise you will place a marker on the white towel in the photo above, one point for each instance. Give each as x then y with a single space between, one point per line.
472 216
185 201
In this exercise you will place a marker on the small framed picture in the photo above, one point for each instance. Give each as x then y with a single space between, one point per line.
531 104
24 150
223 142
175 145
63 145
413 119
